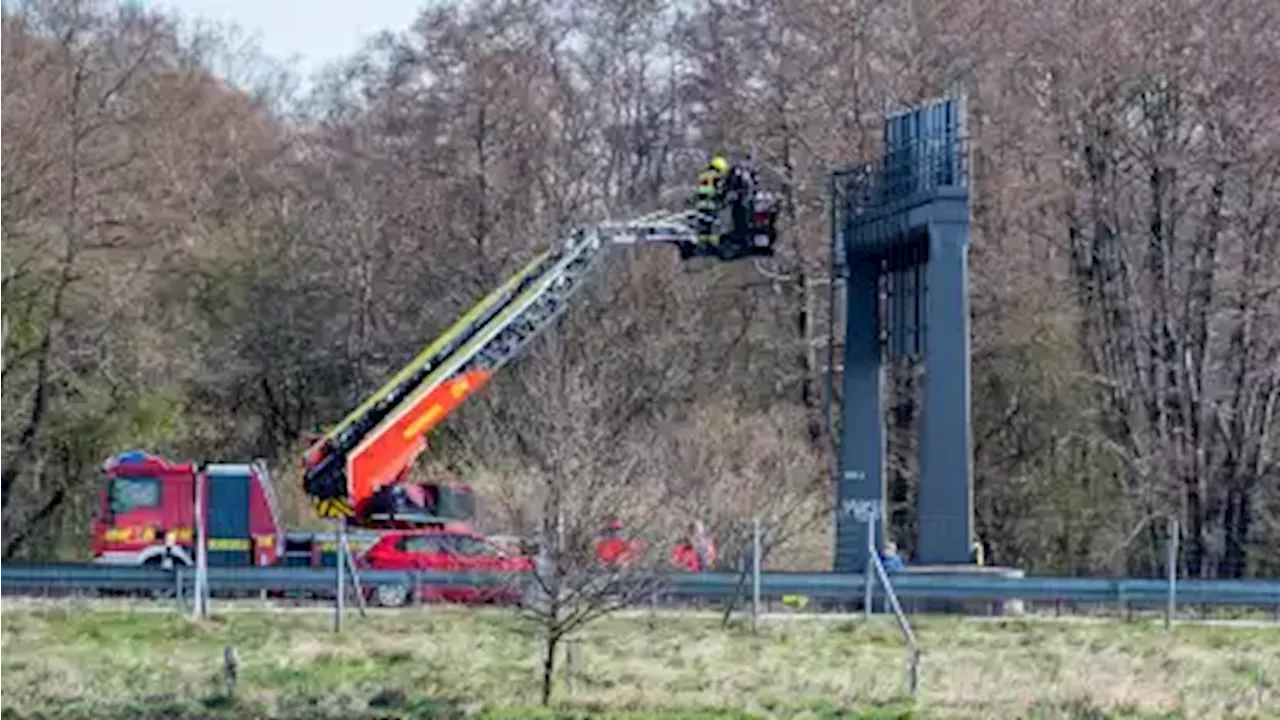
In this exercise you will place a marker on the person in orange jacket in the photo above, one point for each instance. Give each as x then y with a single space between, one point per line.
697 553
614 551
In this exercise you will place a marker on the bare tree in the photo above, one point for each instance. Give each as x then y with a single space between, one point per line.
756 467
77 78
573 457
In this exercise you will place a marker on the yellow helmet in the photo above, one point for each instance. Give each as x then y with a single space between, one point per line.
719 163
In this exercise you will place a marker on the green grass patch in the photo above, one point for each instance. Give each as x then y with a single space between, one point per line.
87 661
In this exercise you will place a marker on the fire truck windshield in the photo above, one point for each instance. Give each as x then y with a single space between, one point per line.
132 493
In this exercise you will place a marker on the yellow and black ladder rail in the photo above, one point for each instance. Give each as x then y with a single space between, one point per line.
532 313
486 338
659 227
348 433
520 320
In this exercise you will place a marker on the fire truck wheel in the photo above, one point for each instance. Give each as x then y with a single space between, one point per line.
391 595
160 593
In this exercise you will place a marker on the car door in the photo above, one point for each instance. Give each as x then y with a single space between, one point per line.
476 554
389 553
462 556
422 552
430 552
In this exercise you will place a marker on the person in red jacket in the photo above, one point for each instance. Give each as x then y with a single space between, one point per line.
697 552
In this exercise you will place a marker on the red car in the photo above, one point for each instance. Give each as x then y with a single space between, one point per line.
442 550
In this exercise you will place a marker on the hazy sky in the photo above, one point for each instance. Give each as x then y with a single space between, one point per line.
313 32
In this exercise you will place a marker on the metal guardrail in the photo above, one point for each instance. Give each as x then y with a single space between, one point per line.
828 586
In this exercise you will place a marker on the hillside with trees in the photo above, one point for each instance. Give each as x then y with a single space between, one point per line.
210 264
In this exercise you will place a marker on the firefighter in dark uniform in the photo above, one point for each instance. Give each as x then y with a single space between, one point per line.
739 185
708 202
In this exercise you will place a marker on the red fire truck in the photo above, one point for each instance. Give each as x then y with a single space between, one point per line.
147 508
358 469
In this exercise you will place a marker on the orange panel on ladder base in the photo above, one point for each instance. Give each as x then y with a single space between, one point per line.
390 451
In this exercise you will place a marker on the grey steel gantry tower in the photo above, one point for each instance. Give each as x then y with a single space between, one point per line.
900 238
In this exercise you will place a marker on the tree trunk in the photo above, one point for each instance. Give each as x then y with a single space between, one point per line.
1238 517
809 398
1195 536
549 666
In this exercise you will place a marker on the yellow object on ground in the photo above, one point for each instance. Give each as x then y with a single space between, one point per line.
799 602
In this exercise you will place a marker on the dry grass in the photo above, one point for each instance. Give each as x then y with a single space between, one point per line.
78 661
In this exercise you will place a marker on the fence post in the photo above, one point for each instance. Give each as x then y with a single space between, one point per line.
913 679
200 607
340 598
1171 566
892 604
866 575
755 574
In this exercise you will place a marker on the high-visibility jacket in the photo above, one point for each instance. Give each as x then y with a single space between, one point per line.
709 184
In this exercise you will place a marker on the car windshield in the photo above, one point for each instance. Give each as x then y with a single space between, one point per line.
133 493
472 546
423 544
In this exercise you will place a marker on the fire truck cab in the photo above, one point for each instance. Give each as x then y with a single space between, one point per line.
146 512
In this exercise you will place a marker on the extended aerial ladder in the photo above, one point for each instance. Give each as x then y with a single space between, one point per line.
371 449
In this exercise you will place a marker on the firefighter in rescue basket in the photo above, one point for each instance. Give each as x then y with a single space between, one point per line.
734 217
710 181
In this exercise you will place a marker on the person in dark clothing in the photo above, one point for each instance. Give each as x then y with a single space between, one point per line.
738 192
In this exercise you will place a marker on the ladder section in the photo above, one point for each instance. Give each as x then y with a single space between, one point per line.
657 227
383 453
346 434
325 461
